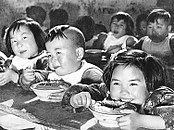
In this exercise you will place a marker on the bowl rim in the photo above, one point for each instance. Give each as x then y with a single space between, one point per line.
33 86
92 110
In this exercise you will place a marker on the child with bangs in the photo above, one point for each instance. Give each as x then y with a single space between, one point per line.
25 41
121 35
138 78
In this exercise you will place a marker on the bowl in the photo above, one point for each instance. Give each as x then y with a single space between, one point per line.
105 116
44 89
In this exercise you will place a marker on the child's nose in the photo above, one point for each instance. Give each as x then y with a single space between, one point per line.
124 91
19 43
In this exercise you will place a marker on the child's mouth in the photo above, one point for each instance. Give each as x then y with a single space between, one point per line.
21 52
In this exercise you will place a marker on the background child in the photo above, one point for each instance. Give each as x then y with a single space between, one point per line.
159 41
25 41
136 77
121 34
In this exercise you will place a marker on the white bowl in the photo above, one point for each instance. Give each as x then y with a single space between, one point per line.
43 92
106 119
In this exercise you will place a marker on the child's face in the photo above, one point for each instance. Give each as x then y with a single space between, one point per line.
118 28
64 57
128 84
23 42
143 28
158 30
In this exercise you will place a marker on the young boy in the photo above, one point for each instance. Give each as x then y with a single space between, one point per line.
65 45
159 41
158 34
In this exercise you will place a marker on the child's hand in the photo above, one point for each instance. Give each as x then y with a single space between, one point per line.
28 76
7 76
81 99
131 121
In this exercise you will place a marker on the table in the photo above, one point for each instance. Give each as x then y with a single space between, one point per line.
52 113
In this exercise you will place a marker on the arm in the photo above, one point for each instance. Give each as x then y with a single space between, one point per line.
97 92
133 120
7 76
161 103
99 42
131 41
92 75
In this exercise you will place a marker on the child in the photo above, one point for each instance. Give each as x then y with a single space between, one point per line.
38 14
159 41
137 77
65 45
25 41
121 34
141 25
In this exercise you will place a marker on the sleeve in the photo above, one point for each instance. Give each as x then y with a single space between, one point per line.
97 91
98 43
138 45
42 66
161 103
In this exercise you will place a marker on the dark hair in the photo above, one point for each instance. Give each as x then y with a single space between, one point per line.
127 19
34 27
67 32
99 28
58 17
87 25
159 14
152 68
37 13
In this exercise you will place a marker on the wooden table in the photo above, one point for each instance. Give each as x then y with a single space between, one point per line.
52 113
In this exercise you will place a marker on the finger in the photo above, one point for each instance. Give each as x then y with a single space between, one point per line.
88 100
127 111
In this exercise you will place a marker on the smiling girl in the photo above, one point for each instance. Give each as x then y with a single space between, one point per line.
25 41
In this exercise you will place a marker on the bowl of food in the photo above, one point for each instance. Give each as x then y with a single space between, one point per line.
107 111
44 89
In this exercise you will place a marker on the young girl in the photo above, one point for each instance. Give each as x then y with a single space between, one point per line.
121 34
25 41
136 77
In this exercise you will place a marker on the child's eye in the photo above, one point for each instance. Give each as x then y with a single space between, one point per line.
159 27
115 83
57 53
25 37
133 84
13 41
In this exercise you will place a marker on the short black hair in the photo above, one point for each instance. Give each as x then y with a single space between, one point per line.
159 14
67 32
34 27
58 16
152 68
87 25
37 13
127 19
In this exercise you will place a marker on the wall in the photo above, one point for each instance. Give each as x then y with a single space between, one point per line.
100 10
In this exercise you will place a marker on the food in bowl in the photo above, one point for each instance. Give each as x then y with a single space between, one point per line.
107 111
44 89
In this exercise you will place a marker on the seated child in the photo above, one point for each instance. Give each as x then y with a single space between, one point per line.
121 34
136 77
25 41
66 47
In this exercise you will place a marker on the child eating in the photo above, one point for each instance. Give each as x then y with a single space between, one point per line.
136 77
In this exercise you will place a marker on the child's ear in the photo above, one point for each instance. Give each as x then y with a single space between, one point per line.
169 28
79 53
